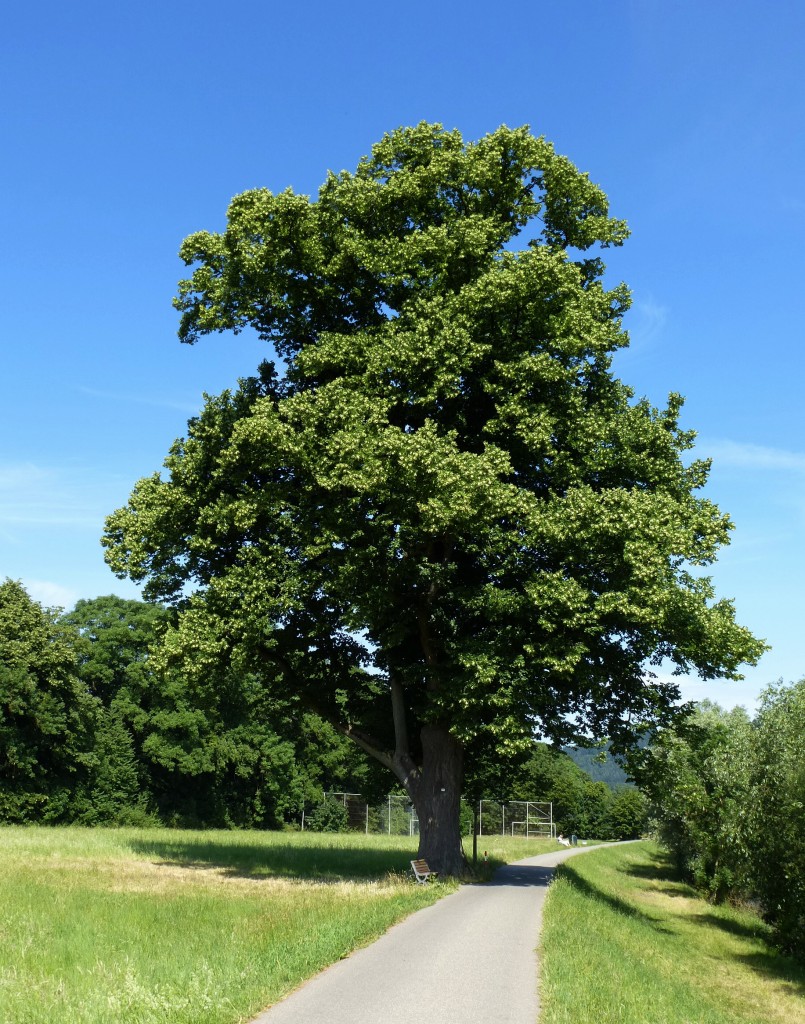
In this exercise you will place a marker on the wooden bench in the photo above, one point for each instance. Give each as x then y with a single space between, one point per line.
421 871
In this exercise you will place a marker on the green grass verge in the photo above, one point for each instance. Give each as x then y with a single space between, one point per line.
501 850
624 942
155 927
106 926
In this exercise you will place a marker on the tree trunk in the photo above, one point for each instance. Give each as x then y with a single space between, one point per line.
436 794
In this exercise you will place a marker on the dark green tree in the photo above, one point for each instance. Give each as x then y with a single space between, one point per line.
221 751
445 521
46 714
114 794
208 748
627 816
115 663
118 634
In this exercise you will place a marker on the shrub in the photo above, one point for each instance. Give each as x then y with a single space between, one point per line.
329 816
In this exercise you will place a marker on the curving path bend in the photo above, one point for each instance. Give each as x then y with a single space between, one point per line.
468 959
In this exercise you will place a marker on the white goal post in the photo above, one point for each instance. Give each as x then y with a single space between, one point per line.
530 819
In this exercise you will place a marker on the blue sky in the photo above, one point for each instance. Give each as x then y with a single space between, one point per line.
127 127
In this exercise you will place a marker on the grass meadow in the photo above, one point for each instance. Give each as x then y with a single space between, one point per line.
132 926
106 926
624 942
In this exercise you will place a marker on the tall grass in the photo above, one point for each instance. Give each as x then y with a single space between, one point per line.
155 927
624 942
494 851
134 926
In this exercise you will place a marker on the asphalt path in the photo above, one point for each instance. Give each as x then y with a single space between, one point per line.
468 959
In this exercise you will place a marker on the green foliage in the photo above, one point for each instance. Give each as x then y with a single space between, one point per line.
118 634
46 715
330 816
443 496
115 794
728 797
697 778
115 665
627 815
466 818
332 763
201 748
778 812
215 756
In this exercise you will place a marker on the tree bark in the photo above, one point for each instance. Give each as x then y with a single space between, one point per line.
434 786
436 794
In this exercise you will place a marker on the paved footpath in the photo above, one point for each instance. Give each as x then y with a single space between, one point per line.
468 959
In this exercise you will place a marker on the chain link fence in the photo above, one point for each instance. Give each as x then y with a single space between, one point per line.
395 816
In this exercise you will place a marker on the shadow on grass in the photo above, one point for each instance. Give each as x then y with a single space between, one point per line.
744 930
278 860
778 968
610 900
768 962
659 868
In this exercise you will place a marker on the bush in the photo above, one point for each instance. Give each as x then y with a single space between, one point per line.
698 780
329 816
778 813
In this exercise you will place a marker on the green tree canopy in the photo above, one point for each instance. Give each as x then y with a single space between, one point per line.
46 714
777 812
118 634
697 776
443 521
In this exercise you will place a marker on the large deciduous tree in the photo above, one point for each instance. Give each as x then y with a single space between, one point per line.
46 714
437 519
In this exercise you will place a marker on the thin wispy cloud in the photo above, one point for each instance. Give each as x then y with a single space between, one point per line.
36 496
191 408
51 595
647 323
751 456
20 475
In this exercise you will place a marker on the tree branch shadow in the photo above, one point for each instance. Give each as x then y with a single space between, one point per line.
768 962
609 900
285 860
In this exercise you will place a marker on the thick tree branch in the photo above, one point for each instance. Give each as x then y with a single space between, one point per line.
364 740
398 709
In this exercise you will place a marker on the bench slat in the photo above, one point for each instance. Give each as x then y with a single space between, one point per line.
421 871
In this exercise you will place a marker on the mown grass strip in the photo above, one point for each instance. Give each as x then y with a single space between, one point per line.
624 942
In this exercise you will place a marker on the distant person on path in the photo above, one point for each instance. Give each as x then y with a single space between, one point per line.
562 840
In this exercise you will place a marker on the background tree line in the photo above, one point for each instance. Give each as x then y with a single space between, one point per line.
91 732
727 798
95 729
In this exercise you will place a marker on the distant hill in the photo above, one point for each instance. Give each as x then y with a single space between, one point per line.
608 771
